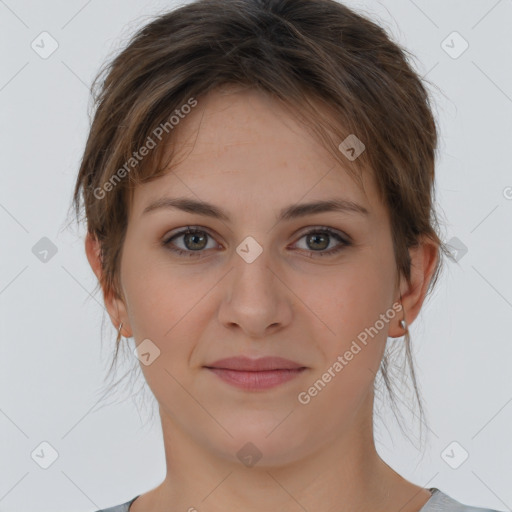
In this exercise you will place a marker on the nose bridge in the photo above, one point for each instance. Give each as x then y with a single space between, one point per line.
252 276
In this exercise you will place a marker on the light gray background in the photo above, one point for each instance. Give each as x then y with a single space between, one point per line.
53 361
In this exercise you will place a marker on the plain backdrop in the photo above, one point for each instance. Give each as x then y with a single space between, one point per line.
54 356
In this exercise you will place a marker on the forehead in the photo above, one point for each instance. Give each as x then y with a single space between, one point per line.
240 144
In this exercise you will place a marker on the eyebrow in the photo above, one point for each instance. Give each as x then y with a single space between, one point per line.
287 213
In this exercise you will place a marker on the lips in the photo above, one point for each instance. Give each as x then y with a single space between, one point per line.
246 364
256 374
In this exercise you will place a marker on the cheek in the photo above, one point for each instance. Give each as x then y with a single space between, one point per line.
351 333
165 306
352 346
159 296
347 300
160 306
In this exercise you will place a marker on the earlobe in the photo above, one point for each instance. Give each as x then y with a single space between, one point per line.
115 306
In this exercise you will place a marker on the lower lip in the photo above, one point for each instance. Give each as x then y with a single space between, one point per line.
256 380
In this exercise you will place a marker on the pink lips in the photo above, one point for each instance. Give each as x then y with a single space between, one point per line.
254 374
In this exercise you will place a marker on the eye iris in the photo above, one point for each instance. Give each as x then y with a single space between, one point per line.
315 237
194 237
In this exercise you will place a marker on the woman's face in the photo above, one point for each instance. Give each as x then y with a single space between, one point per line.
258 283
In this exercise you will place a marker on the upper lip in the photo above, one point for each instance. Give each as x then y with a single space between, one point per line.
242 363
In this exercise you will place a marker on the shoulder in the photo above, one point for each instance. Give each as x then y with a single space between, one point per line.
441 502
124 507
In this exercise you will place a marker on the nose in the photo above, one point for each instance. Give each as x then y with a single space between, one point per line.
255 297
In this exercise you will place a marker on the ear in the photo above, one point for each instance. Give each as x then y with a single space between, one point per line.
423 262
115 306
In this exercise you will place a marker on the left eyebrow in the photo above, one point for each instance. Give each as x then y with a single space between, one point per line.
288 213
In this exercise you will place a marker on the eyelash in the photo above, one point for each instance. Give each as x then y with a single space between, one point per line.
320 229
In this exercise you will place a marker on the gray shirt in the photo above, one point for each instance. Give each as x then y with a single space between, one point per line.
439 502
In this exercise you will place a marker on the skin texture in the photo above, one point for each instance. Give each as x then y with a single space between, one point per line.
248 156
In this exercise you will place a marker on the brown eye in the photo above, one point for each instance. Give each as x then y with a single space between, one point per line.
319 239
194 241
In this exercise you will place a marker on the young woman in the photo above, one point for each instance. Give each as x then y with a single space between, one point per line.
258 189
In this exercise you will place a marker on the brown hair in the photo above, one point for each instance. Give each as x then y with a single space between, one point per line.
336 70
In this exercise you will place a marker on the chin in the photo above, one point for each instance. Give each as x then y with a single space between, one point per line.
262 444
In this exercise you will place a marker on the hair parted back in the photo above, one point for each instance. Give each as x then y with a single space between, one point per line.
334 69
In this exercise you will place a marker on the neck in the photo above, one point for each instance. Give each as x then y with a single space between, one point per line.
343 474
